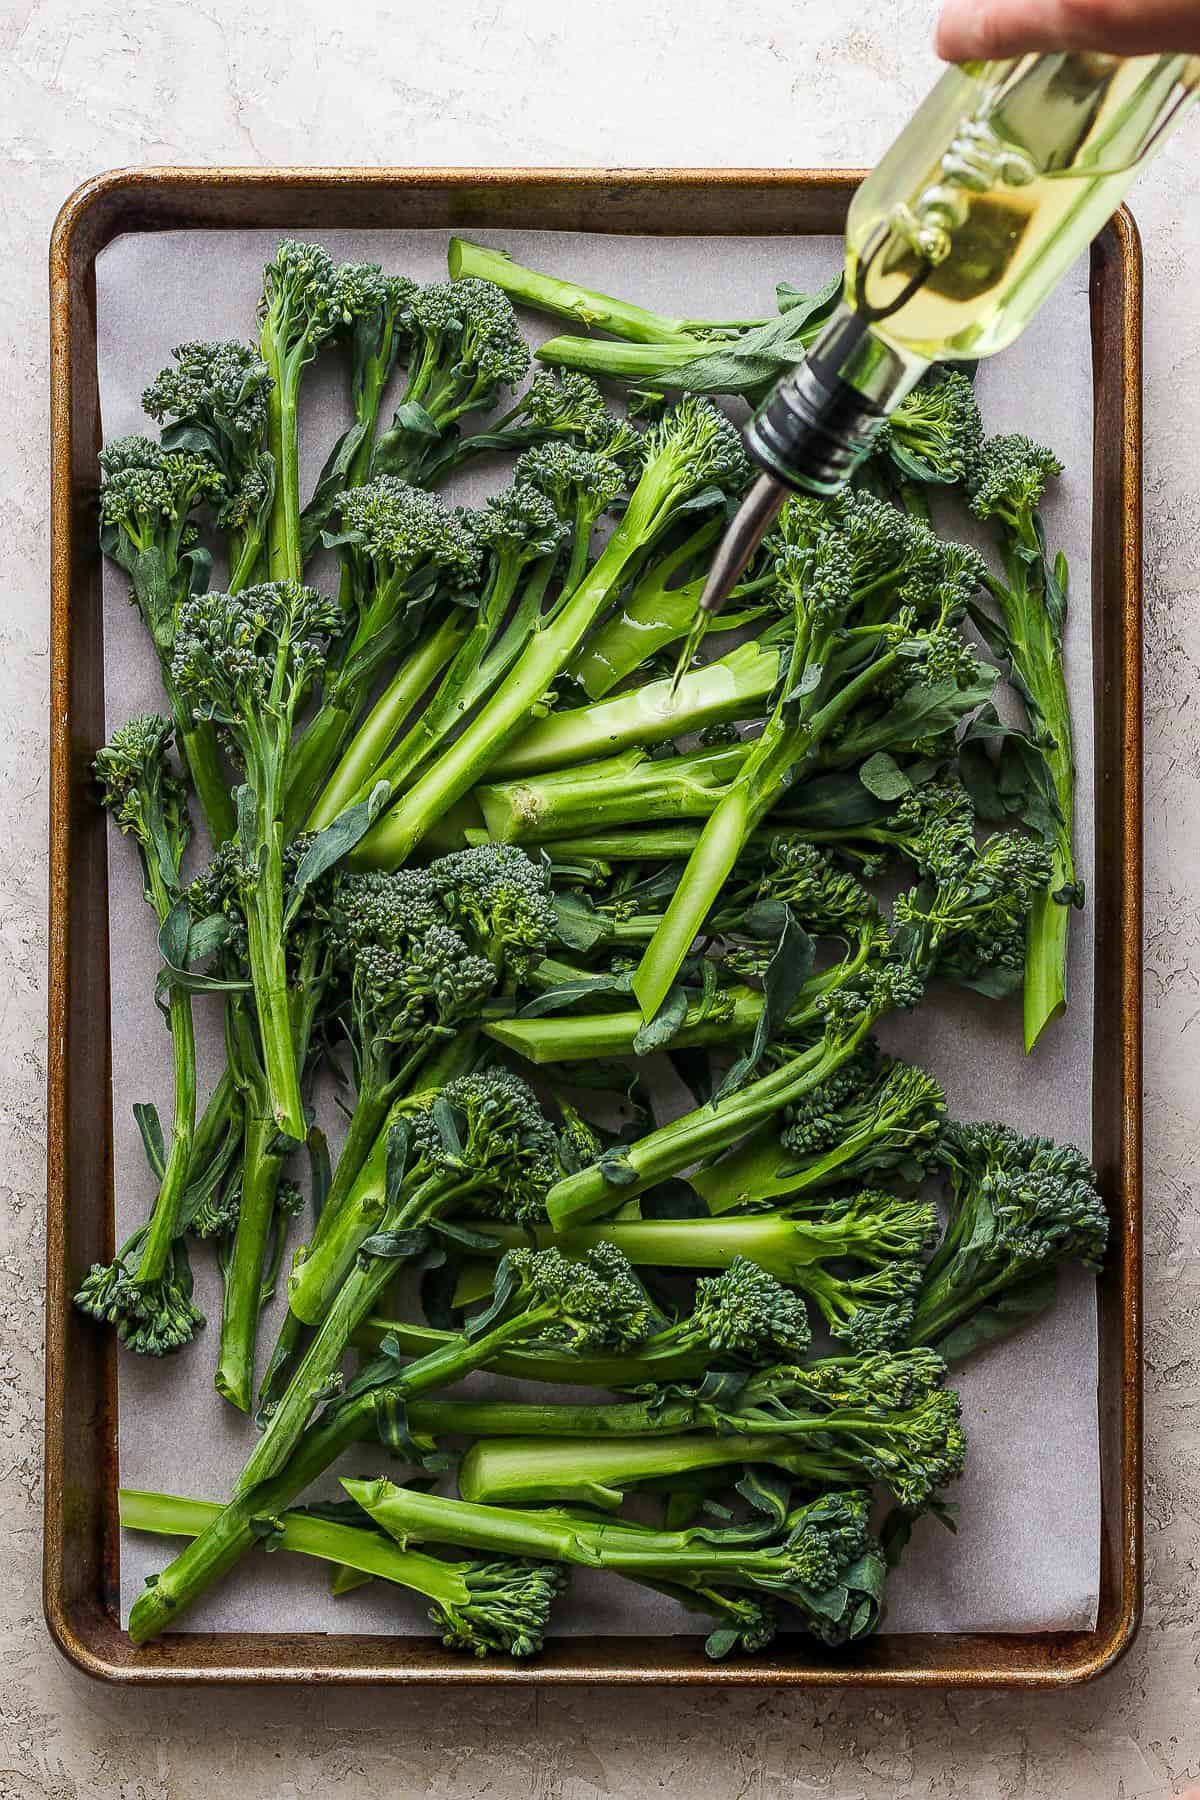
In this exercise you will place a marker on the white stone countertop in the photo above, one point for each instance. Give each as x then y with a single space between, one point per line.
89 84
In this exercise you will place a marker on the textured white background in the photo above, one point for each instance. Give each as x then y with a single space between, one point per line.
90 84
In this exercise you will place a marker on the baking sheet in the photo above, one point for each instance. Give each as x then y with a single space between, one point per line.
1026 1557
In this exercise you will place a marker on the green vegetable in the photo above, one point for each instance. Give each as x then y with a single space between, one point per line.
818 1558
540 1299
245 662
692 448
150 1302
1020 1207
478 1607
1031 601
877 663
149 503
306 301
830 1424
695 889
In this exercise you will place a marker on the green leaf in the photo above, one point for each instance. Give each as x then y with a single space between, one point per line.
268 1532
411 416
568 992
789 968
577 923
719 1643
399 1142
749 362
656 1033
462 1235
1001 1318
882 776
153 1143
808 683
197 564
330 483
767 1492
616 1169
504 1286
206 936
173 935
190 436
1008 777
446 1119
395 1246
334 842
182 949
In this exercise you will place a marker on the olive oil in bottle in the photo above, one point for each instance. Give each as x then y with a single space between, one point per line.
1003 175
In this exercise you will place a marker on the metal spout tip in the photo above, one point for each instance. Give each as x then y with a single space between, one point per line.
749 526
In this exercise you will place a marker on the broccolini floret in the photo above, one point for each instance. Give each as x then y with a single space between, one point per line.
245 662
146 1291
466 349
214 401
1020 1208
1027 627
149 500
935 434
307 299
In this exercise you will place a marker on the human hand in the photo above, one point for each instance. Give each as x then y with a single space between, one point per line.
985 28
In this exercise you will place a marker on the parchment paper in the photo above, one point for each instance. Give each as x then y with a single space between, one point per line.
1026 1557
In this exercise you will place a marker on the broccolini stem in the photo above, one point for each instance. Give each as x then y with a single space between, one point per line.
566 300
164 1221
314 753
352 1212
581 1037
347 1546
698 1135
1047 938
655 613
767 772
209 1139
245 554
359 767
319 1270
652 1363
560 1537
619 790
196 741
279 1368
266 939
539 1470
392 841
735 687
540 1418
223 1543
644 362
705 874
283 527
316 1375
261 1171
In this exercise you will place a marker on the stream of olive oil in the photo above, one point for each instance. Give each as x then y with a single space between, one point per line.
689 651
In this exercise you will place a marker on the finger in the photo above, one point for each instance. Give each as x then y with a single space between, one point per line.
983 28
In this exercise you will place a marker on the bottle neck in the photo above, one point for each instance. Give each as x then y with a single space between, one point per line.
822 419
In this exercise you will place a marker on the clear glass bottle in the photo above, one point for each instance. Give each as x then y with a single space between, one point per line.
953 242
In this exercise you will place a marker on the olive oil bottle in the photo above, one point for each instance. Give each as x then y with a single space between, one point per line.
1003 175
